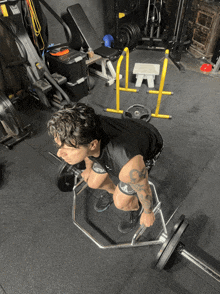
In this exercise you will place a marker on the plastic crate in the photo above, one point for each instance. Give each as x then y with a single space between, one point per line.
71 65
77 90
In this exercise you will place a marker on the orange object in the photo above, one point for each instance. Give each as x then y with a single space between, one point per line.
206 67
60 53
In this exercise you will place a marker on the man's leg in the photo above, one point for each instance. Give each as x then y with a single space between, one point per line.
99 179
124 201
125 198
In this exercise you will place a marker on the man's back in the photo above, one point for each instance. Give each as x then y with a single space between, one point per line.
125 138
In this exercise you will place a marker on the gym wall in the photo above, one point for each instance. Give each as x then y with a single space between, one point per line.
93 9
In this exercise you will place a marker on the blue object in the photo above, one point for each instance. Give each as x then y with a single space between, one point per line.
43 53
108 39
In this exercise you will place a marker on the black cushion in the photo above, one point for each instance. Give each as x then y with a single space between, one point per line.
106 52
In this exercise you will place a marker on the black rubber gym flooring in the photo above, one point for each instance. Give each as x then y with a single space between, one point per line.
43 252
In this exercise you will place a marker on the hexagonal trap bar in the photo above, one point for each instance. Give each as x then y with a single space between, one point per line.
135 241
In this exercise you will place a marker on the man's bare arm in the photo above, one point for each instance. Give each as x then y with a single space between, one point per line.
85 174
88 162
139 182
135 174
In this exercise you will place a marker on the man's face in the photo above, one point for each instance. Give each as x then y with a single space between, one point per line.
70 154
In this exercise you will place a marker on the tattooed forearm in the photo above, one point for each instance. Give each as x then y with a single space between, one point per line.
145 197
146 201
143 191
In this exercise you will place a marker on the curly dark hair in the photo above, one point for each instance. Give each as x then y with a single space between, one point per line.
75 125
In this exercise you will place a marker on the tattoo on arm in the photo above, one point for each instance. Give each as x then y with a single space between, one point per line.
136 175
144 193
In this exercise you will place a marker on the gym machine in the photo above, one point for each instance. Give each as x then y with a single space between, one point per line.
12 127
174 40
38 75
152 29
156 34
24 71
170 241
179 39
128 18
86 39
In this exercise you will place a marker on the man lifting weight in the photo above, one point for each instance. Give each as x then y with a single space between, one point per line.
118 154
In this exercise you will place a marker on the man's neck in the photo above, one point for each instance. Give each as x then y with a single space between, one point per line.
96 152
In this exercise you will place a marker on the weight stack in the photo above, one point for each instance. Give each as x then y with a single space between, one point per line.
73 66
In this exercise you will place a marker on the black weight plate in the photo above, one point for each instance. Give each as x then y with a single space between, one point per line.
137 31
130 29
66 175
8 106
138 111
170 245
124 37
127 27
180 221
175 228
9 116
65 178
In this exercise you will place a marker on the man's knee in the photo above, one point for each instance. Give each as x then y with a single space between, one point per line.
122 201
118 204
96 181
93 184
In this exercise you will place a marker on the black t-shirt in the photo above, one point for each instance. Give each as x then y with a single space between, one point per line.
123 139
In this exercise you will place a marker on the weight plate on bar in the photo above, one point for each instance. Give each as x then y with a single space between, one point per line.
66 176
137 31
9 116
129 28
138 111
171 243
134 31
123 37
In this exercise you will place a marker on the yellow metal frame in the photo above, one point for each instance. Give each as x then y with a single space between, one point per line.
4 10
126 89
161 92
118 88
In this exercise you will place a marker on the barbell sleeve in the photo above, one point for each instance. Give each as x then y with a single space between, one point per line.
55 156
200 264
